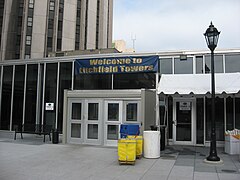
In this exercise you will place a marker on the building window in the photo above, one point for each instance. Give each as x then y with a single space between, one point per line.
60 25
17 113
218 64
51 5
6 98
93 81
237 113
28 40
78 19
31 4
31 94
229 113
50 92
184 66
19 28
1 16
97 23
232 63
166 66
27 56
134 81
199 65
86 25
65 82
29 21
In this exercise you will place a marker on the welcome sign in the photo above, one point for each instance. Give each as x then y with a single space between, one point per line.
115 65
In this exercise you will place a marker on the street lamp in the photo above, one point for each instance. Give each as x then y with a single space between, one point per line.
211 36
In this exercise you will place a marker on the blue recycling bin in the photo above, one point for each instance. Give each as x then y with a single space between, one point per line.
129 129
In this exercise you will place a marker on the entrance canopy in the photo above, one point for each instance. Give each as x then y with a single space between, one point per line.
228 83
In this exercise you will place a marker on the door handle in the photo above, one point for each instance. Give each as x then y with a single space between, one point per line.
175 122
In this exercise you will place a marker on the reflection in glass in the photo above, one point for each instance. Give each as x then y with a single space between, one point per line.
92 131
170 117
113 112
50 92
134 81
131 112
77 111
237 113
112 132
199 64
31 94
183 66
18 96
219 118
218 64
76 130
6 98
200 120
93 111
65 82
229 115
232 63
166 66
93 81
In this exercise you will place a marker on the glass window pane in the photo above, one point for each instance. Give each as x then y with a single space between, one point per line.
218 64
200 120
135 81
230 121
166 66
76 130
232 63
170 117
18 96
113 112
237 113
199 65
183 66
93 81
76 111
50 92
131 112
112 132
219 110
65 82
219 118
31 94
162 111
92 111
6 97
92 131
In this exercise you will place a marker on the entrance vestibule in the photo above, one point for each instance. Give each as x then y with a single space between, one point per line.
94 117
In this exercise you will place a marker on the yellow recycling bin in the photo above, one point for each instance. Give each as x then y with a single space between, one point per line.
139 148
126 151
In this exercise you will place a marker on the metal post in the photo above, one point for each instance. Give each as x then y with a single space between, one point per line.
213 150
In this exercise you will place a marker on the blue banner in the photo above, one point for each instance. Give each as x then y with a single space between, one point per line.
113 65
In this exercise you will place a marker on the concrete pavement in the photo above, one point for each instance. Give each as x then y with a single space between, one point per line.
31 159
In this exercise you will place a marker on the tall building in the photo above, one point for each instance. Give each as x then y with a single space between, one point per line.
34 28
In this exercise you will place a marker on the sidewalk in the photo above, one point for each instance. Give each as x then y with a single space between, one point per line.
31 159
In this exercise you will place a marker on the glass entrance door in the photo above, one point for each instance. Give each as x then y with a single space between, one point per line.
75 122
116 113
113 119
184 121
92 122
84 122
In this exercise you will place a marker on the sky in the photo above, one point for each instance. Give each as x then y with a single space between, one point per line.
160 25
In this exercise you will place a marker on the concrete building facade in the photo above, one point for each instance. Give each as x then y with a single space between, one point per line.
34 28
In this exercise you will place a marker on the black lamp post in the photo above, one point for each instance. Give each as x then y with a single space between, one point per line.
211 36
